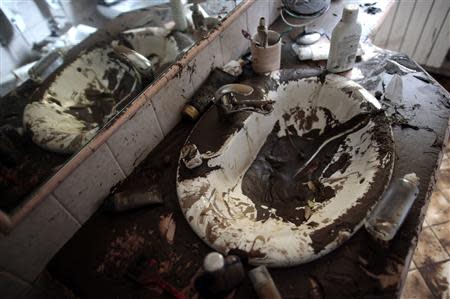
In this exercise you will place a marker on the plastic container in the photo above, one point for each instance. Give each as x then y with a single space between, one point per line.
312 52
344 41
42 69
391 211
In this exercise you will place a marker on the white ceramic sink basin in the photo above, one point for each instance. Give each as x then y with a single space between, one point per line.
75 104
86 93
154 43
246 196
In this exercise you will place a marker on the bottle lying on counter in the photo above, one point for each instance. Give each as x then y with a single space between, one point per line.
391 211
204 96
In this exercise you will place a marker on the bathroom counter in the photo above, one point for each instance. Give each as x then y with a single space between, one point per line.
94 262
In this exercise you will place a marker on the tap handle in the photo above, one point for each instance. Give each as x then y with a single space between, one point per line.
241 89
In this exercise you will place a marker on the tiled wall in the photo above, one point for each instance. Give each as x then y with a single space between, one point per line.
29 247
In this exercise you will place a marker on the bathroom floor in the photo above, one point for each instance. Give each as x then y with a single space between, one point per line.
429 272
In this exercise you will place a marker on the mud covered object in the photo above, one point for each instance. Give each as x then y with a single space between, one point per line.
246 194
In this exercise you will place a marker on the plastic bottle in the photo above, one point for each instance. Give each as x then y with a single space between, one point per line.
393 207
344 41
263 283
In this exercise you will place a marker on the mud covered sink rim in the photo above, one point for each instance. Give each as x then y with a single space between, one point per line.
214 196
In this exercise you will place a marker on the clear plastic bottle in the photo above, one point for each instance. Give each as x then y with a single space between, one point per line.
263 283
344 41
391 211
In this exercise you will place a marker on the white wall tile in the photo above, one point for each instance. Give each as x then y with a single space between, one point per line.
83 12
274 10
205 61
82 192
12 287
232 42
131 143
27 9
258 9
7 63
19 48
169 101
28 248
37 33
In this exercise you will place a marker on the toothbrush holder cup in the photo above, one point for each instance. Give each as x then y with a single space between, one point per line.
266 59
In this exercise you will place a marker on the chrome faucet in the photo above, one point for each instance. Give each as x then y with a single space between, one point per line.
226 101
137 60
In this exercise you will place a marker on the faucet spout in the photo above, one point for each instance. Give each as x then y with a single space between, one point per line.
138 61
225 99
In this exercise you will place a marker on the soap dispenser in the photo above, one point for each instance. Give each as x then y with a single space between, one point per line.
344 41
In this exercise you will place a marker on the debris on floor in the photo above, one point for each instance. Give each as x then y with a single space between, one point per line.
122 249
167 227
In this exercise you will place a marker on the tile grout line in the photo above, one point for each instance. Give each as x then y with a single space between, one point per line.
66 209
426 283
426 280
116 160
439 240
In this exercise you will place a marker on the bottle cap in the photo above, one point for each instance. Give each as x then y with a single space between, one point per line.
214 261
413 178
350 13
191 112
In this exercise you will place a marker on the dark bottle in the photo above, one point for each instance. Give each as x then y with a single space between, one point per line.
221 276
204 96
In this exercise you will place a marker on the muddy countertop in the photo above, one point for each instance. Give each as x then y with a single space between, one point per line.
94 262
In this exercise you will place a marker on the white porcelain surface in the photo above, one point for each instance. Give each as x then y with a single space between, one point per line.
258 9
232 42
221 215
169 100
51 119
205 61
29 247
274 11
153 41
83 191
136 138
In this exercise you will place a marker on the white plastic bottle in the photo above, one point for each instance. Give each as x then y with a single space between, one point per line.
344 41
